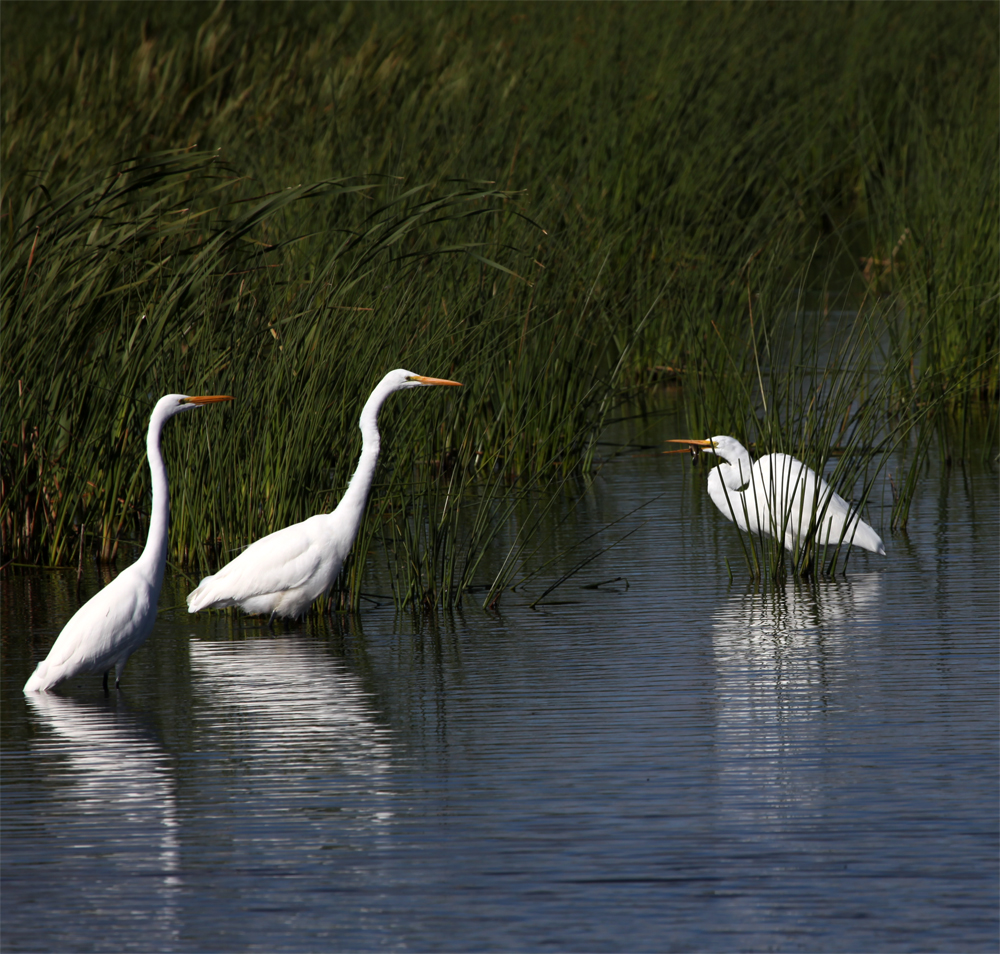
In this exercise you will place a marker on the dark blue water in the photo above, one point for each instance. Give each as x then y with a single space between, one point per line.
669 762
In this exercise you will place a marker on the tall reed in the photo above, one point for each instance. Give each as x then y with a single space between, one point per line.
554 203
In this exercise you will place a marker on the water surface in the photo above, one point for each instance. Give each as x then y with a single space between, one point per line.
670 762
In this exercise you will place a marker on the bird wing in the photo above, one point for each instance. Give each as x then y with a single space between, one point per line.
284 560
98 630
839 522
800 497
791 489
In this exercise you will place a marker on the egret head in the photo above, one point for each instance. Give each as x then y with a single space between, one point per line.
402 378
172 404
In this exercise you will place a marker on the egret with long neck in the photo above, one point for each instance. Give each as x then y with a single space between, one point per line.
281 574
781 497
107 629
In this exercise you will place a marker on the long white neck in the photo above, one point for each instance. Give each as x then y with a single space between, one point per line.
352 504
725 487
735 470
725 496
154 557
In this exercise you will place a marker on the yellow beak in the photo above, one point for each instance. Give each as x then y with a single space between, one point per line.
689 442
423 380
208 399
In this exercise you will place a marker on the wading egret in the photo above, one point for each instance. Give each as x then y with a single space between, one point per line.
780 496
282 573
108 628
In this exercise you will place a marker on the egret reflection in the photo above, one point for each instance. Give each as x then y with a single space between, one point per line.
780 663
113 815
762 626
293 712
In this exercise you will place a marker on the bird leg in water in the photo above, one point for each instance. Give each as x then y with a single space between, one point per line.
106 671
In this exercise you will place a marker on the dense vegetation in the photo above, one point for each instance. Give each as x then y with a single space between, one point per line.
791 209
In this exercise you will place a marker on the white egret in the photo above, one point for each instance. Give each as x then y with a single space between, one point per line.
779 496
282 573
113 624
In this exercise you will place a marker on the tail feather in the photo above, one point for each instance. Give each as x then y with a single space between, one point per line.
39 680
206 596
198 598
866 537
862 535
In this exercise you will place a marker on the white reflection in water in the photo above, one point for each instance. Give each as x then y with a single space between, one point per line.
779 659
291 716
113 815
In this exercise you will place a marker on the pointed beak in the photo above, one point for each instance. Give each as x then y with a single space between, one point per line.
208 399
423 380
689 444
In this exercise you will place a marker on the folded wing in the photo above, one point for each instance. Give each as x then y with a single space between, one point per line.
300 558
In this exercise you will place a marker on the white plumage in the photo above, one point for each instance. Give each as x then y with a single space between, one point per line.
781 497
108 628
282 573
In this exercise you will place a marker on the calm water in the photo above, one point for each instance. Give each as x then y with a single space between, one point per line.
670 762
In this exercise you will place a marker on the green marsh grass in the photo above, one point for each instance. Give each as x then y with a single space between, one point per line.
557 204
